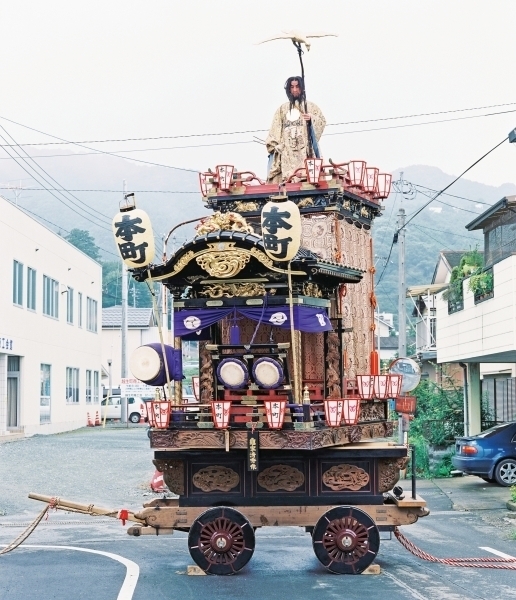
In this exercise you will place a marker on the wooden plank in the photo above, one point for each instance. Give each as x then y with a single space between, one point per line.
276 516
407 501
194 570
373 569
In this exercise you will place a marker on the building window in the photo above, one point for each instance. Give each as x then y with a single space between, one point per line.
96 387
44 394
91 315
31 288
79 308
69 306
72 385
17 283
88 386
50 297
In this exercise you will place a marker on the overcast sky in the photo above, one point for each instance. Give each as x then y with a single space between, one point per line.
111 69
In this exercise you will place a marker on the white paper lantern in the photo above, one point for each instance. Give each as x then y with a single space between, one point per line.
281 229
134 237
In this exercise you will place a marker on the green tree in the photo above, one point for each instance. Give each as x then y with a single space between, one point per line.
83 240
138 293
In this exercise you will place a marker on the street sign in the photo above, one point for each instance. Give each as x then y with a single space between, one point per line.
134 387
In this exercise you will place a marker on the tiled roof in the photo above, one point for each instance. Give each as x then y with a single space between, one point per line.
139 318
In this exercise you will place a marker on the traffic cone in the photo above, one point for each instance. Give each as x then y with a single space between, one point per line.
157 484
90 422
97 419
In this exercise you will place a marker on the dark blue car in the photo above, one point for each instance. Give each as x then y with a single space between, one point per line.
490 454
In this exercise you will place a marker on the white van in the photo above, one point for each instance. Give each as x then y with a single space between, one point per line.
111 408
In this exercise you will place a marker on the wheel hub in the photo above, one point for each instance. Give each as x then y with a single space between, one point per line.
221 542
346 540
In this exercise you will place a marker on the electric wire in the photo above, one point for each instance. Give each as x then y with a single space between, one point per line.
191 135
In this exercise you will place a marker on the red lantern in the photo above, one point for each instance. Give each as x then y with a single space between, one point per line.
365 385
384 185
356 173
159 414
220 411
333 408
405 405
313 168
351 410
395 382
381 387
275 412
206 184
224 176
371 180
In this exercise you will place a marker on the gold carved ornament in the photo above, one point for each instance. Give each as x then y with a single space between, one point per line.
230 290
345 477
281 477
223 264
214 478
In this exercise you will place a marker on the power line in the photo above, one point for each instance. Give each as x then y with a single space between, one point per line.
193 135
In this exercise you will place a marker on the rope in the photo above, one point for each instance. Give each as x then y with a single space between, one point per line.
25 534
477 563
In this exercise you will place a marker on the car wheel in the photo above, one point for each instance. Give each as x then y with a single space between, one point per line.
134 418
505 473
489 479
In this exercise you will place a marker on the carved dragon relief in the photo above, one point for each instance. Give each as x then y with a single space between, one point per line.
173 474
345 477
281 477
216 477
389 472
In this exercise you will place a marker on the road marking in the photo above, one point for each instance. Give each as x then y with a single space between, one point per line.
497 552
402 584
132 569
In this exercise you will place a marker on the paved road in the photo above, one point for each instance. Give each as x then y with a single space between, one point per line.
155 567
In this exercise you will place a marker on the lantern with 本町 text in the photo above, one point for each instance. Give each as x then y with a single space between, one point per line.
313 168
281 228
356 172
224 176
333 408
275 413
350 410
371 180
206 183
365 384
384 185
134 237
220 411
159 414
381 387
395 382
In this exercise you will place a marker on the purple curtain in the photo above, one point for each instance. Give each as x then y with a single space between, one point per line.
306 318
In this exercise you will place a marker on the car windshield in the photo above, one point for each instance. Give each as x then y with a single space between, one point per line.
493 430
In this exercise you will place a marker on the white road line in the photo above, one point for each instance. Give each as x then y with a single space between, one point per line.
405 586
497 552
132 569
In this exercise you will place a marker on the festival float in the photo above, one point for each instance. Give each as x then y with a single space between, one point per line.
292 421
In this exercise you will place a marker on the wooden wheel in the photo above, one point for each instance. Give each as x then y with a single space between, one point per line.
346 540
221 541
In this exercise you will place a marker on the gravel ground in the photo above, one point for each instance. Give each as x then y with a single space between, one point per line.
109 467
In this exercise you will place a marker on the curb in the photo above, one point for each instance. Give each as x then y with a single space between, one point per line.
511 506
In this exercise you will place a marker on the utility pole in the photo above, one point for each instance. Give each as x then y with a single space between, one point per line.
402 285
123 370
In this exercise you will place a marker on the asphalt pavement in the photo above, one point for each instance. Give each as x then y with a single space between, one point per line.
76 556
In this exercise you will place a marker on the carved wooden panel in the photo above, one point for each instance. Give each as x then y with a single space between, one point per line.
345 477
173 474
206 374
216 477
389 472
281 477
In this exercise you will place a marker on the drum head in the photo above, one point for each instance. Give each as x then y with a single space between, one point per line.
268 372
145 363
233 373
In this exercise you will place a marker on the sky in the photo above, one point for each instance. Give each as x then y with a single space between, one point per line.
113 69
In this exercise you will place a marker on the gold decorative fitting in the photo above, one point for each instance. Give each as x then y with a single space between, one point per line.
223 264
214 478
312 289
231 221
345 477
306 202
230 290
246 206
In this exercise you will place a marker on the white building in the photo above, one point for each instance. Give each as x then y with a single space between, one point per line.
50 351
141 329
